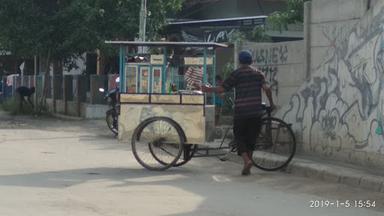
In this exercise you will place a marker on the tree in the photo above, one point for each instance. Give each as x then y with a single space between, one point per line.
60 29
57 30
293 14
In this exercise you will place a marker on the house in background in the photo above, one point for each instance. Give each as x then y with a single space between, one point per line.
215 9
215 20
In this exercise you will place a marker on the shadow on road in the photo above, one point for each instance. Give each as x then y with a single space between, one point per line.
68 178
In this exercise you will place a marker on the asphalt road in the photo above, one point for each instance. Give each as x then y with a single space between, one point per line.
57 167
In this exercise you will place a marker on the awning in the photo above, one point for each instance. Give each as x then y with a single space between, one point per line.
5 53
235 21
166 43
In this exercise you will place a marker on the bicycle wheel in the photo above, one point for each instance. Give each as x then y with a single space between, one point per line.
157 143
275 146
111 120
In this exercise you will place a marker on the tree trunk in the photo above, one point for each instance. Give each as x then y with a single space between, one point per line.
57 81
46 62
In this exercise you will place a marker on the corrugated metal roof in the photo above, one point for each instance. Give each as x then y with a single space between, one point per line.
166 43
217 20
193 2
4 53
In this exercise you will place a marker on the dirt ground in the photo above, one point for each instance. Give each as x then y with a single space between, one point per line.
61 167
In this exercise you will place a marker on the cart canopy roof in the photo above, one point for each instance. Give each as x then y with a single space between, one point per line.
167 43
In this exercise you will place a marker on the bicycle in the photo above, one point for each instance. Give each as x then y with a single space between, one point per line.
274 147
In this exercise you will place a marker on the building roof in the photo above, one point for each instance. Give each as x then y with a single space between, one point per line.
4 53
193 2
166 43
213 9
250 20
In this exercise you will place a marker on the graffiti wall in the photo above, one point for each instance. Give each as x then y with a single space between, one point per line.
282 64
339 113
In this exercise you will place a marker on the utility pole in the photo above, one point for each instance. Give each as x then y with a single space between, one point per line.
143 22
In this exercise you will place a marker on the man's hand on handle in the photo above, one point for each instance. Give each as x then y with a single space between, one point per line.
205 88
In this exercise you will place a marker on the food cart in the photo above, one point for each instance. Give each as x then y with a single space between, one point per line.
153 84
168 120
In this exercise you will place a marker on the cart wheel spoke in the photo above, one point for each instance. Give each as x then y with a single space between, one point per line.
157 143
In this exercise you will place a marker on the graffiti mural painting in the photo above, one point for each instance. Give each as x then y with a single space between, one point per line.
341 107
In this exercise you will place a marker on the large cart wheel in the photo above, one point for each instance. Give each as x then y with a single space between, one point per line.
275 146
157 143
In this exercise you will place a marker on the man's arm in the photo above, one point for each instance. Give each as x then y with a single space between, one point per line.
218 89
228 84
268 92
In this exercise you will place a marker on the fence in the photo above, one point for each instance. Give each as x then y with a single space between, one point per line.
65 94
74 94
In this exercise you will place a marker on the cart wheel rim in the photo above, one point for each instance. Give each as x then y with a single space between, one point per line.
157 143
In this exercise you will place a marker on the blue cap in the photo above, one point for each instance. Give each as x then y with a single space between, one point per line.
245 57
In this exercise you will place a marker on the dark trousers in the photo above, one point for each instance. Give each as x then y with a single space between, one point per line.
246 131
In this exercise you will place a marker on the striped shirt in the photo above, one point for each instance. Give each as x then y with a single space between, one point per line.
248 83
193 76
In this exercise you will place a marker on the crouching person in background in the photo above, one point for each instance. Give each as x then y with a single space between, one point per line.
23 92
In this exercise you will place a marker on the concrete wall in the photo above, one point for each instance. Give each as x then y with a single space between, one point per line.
282 64
338 113
94 111
87 111
73 90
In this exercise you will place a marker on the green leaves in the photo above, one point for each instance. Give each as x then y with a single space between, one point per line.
293 14
69 27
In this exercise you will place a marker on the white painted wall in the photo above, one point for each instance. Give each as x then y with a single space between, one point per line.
338 113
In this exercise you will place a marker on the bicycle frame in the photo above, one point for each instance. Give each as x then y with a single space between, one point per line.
207 151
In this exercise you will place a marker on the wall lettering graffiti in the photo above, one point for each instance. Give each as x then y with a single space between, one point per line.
218 36
282 65
270 73
267 59
271 55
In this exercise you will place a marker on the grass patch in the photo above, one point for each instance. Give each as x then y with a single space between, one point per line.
11 105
